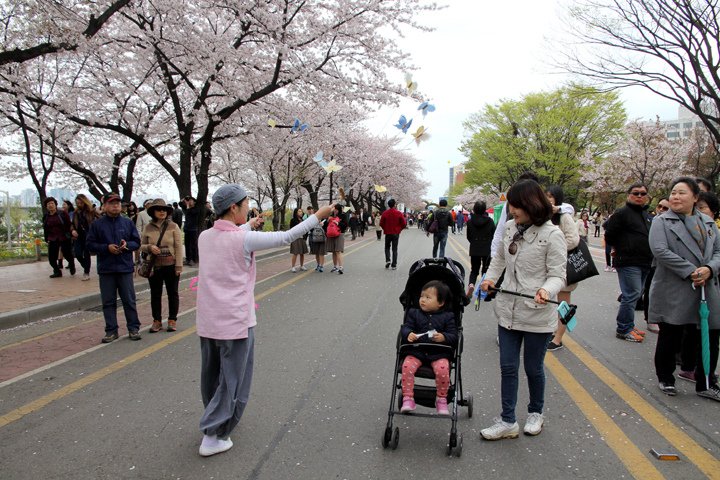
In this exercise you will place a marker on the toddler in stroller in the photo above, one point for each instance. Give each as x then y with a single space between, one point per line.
432 322
429 346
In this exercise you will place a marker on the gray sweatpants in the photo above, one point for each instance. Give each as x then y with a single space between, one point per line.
225 377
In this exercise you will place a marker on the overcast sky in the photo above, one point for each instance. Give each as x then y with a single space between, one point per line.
480 52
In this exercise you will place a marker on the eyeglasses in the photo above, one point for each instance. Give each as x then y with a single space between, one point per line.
663 208
512 248
638 194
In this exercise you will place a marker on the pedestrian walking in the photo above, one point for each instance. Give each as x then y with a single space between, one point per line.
533 253
460 221
480 232
569 229
354 225
686 245
168 264
58 232
627 232
85 215
392 222
317 240
444 220
335 243
298 247
583 226
113 238
226 310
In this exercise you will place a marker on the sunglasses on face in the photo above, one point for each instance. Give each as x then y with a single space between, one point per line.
638 194
512 248
663 208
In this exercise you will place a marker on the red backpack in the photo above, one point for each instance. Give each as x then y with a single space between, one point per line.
333 228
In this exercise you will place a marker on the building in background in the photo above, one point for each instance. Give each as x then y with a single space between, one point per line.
29 198
61 194
457 174
683 125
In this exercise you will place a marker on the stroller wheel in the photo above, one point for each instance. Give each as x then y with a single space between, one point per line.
387 435
395 438
451 443
458 449
469 404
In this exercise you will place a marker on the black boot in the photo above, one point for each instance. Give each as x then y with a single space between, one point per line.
72 268
57 273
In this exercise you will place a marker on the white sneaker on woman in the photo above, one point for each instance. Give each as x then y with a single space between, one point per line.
534 423
500 430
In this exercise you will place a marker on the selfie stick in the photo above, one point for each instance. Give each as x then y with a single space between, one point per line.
565 317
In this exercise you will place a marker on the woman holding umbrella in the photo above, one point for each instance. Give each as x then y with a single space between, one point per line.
686 246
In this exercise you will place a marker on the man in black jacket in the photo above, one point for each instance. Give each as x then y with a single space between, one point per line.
627 232
442 215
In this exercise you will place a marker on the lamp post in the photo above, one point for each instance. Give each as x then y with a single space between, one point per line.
7 216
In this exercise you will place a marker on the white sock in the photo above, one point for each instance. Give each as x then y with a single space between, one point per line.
210 441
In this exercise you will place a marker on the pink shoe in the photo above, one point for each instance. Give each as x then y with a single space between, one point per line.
442 406
408 405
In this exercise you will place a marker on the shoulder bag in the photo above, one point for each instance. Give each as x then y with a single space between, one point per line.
146 268
580 264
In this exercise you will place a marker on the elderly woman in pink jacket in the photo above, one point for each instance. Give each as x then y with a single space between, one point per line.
225 310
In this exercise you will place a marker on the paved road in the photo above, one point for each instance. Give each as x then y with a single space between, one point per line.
324 359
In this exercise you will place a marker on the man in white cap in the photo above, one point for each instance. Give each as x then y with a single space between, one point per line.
226 310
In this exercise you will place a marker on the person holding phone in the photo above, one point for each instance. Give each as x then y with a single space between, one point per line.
113 238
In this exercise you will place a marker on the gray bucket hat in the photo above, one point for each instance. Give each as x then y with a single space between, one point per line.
226 196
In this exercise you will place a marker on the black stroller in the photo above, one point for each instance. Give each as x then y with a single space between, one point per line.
452 274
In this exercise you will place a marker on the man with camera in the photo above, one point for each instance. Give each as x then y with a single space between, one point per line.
113 238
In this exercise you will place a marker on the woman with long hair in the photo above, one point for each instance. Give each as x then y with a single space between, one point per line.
567 226
85 215
299 245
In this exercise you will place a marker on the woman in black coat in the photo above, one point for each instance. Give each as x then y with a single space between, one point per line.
480 231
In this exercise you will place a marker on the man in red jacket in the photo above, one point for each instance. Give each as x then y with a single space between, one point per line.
392 222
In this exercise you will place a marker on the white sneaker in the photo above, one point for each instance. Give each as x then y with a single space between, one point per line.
607 269
303 268
86 277
211 445
293 269
500 430
534 424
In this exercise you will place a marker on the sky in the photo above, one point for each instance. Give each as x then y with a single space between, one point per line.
480 52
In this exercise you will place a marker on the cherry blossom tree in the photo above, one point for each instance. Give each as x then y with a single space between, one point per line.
645 154
176 77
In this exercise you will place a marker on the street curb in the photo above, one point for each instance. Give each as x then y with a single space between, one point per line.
87 301
68 305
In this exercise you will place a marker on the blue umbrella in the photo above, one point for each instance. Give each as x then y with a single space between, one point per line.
705 336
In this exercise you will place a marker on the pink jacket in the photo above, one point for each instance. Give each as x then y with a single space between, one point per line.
226 286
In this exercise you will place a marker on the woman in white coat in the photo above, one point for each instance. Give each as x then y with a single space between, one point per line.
534 256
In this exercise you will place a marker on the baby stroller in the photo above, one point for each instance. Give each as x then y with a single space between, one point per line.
452 274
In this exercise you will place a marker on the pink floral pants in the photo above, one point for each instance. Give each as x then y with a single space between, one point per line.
441 367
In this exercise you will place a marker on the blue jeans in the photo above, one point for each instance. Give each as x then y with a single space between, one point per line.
534 357
632 281
112 284
439 240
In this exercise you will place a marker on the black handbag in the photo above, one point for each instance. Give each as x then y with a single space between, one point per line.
580 264
147 266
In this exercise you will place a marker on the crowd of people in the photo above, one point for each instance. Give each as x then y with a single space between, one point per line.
676 248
